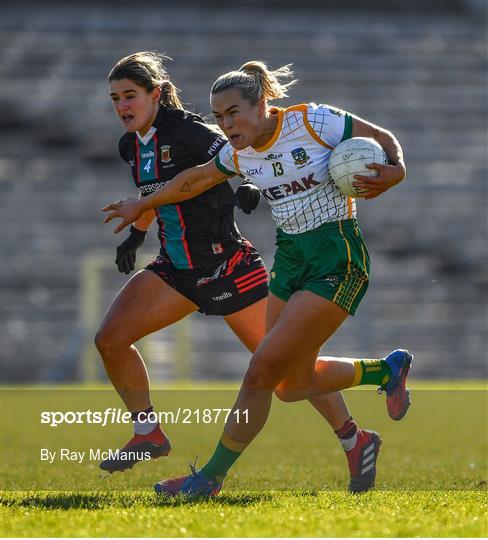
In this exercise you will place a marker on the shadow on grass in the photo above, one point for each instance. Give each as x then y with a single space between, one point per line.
101 500
98 500
229 499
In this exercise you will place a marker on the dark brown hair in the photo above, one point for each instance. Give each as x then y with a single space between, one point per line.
146 68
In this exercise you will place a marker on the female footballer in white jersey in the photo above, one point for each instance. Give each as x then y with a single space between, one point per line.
196 263
321 266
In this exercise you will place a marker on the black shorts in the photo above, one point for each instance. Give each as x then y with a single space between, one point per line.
238 282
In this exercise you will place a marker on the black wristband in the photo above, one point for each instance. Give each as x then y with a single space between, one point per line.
136 233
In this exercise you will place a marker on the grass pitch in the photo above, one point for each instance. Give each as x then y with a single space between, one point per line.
252 514
432 471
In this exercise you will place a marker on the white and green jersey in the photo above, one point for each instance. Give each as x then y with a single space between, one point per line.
291 170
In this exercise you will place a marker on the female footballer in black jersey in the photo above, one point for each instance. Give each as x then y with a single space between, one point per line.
204 264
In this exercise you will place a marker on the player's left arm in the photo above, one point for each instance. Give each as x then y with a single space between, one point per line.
388 175
144 222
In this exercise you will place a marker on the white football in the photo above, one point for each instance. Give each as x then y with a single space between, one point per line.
349 158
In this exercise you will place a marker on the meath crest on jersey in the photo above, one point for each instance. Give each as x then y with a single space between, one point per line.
300 156
165 153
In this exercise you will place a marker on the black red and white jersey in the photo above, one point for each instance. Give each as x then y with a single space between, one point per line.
199 231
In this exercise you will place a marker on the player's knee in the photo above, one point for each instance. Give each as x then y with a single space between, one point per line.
256 380
285 394
263 373
289 392
105 342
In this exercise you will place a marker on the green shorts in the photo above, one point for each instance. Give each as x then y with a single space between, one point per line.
331 261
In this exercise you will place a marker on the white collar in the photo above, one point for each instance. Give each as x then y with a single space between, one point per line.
148 136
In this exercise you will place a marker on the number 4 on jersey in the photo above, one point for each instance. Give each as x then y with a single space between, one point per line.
147 167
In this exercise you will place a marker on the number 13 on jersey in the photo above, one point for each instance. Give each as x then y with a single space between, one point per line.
277 168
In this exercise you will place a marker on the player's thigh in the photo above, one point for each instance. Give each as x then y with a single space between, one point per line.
143 306
273 310
303 326
249 324
252 323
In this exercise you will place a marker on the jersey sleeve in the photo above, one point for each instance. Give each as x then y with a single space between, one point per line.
330 124
225 161
125 146
207 141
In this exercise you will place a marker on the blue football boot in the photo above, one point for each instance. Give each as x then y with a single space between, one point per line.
397 394
195 485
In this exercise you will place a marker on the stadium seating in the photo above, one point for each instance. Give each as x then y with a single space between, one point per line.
423 77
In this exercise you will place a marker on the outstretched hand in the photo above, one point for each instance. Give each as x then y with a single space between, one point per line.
129 210
388 176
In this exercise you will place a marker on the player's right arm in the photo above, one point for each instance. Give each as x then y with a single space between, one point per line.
183 186
332 126
388 175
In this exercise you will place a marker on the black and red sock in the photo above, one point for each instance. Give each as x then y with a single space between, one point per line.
348 434
144 421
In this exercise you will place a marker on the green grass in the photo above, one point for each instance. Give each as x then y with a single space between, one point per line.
308 513
291 482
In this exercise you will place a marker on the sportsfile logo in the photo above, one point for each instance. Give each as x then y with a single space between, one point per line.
180 415
103 418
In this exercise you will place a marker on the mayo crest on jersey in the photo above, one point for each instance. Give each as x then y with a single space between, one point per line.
291 170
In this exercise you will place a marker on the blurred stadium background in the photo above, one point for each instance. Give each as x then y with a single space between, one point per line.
417 68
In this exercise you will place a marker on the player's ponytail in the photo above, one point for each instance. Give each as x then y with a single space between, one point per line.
146 68
169 96
256 81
